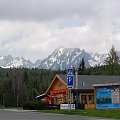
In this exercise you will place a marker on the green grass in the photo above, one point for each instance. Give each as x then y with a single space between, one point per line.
96 113
1 107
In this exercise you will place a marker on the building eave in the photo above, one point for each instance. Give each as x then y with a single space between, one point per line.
107 84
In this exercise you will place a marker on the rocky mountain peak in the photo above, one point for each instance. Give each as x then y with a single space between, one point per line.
61 58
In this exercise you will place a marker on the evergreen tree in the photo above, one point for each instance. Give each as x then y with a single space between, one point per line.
81 66
112 61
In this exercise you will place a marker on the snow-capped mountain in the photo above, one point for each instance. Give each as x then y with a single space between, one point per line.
97 59
10 62
63 58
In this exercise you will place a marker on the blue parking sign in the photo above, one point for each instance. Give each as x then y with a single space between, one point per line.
70 81
70 71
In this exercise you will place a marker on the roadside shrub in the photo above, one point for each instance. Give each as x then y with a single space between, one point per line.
37 105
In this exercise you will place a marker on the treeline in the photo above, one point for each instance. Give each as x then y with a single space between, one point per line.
101 70
18 85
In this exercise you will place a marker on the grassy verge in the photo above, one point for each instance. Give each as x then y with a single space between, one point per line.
1 107
96 113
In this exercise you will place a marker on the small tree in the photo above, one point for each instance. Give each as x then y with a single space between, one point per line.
81 66
112 61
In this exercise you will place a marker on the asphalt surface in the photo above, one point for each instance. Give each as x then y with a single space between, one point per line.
12 114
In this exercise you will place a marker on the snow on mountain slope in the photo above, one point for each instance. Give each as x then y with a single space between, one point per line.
98 59
61 58
10 62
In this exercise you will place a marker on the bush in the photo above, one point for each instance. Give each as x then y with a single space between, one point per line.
35 105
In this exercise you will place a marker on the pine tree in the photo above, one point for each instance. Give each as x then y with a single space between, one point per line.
112 61
81 66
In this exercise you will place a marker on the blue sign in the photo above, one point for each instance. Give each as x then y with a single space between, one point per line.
104 98
70 71
103 95
103 92
105 106
70 77
70 80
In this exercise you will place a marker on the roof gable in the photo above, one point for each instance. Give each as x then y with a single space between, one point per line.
56 83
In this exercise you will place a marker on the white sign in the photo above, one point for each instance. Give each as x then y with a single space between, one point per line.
67 106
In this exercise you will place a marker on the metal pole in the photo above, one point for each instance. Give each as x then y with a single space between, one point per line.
17 101
76 87
76 74
70 99
18 94
3 100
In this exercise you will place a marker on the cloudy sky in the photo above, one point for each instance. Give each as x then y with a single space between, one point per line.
35 28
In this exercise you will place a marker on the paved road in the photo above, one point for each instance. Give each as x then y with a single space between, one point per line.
10 114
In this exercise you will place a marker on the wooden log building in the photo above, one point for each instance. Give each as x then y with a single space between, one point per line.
88 87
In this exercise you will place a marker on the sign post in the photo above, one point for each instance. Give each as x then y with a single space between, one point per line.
76 90
70 83
70 77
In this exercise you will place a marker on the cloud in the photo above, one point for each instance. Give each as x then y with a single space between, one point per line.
45 9
35 28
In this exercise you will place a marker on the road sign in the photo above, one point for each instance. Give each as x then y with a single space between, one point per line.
70 81
70 71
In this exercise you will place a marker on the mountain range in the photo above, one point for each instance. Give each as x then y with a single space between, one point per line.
61 58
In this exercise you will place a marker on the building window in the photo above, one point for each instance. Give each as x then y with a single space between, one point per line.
91 99
52 100
65 98
84 99
115 95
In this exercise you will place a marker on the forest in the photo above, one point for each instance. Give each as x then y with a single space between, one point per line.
19 85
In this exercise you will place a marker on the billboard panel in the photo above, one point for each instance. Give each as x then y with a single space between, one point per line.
103 95
107 97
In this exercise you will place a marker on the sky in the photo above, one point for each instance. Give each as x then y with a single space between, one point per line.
33 29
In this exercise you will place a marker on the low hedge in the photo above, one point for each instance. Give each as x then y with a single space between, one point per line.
35 105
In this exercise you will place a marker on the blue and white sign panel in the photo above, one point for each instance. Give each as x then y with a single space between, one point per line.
70 71
67 106
70 80
106 106
70 77
107 97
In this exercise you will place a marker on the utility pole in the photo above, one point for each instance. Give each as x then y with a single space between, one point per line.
76 75
3 101
76 88
18 94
